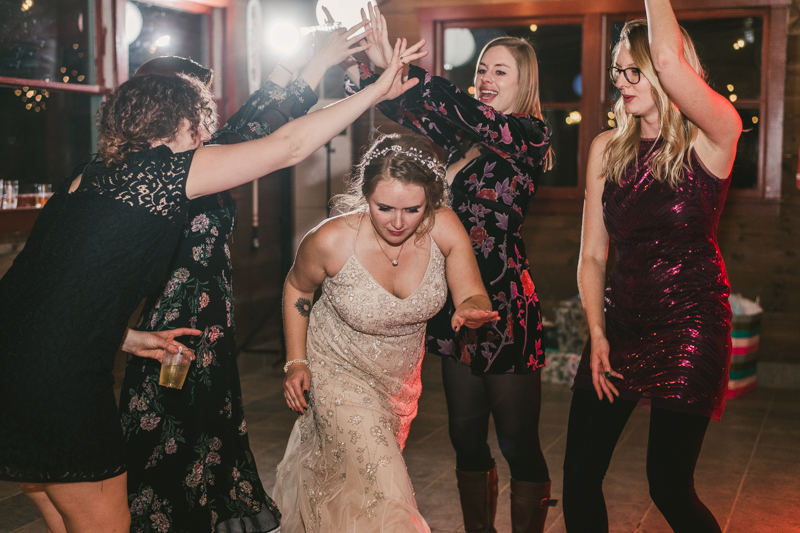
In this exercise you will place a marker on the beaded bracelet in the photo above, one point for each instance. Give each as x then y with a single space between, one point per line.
293 361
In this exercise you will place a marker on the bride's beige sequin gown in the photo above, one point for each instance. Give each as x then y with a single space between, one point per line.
343 470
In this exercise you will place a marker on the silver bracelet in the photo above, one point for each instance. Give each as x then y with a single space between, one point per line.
293 361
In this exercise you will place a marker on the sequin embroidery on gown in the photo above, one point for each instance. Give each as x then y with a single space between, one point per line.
343 469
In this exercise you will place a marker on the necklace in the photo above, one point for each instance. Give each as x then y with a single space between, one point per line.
393 261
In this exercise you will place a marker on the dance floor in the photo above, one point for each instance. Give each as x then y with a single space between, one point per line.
748 473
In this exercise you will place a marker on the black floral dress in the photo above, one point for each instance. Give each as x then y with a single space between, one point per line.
190 468
491 195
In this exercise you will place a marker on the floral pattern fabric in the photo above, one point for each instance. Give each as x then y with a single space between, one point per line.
190 468
491 196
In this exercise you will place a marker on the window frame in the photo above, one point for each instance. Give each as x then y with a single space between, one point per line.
111 65
596 17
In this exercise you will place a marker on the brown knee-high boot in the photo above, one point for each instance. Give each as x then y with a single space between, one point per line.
478 492
529 503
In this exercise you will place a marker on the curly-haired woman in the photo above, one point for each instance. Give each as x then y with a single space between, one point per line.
102 243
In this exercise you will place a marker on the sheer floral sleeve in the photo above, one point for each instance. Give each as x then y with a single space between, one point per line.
267 109
442 112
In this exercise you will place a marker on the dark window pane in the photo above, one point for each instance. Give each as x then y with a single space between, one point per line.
558 49
46 40
564 138
729 50
166 32
745 167
44 146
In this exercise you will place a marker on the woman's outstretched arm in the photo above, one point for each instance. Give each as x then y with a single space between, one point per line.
716 117
218 168
473 307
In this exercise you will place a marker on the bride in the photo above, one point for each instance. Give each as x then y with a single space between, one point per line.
353 359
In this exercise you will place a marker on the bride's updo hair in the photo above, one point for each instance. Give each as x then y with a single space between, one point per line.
409 159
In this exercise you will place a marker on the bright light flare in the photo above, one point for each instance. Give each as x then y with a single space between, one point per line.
283 37
162 41
348 12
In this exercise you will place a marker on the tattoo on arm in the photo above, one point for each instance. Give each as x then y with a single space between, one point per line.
303 306
468 299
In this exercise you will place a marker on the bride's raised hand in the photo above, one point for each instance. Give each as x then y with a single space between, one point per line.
380 51
390 84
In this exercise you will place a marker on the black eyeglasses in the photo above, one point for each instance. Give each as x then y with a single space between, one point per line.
632 74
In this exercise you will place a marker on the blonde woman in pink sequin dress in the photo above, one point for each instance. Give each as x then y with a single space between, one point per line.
353 359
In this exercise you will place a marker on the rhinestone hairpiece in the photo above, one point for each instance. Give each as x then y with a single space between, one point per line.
412 153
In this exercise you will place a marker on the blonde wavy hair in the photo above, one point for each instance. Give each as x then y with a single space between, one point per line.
669 161
527 100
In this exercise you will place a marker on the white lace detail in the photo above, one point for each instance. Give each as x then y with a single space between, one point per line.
343 469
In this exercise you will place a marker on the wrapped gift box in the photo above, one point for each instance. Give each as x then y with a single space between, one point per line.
561 367
571 326
744 355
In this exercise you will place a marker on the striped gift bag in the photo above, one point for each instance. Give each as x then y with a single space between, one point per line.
744 356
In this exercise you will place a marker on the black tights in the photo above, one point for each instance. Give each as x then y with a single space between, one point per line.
514 401
672 450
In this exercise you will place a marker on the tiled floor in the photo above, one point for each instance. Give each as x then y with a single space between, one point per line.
748 473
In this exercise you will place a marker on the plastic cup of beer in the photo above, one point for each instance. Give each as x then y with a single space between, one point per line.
174 368
43 193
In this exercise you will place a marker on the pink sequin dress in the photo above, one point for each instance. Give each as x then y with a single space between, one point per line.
666 304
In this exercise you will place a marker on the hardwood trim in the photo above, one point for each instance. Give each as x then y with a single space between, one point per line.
198 7
121 48
54 85
488 12
12 220
773 100
99 44
592 76
229 59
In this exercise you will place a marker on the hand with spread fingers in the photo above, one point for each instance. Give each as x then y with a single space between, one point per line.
381 50
390 83
331 48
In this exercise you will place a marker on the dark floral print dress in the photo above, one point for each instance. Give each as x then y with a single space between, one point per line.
491 195
190 468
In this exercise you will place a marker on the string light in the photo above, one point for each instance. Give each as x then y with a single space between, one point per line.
755 120
534 27
733 98
730 88
612 124
471 90
26 5
32 98
574 118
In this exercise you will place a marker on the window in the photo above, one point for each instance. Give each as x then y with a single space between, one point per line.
730 50
558 48
165 31
48 88
742 48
